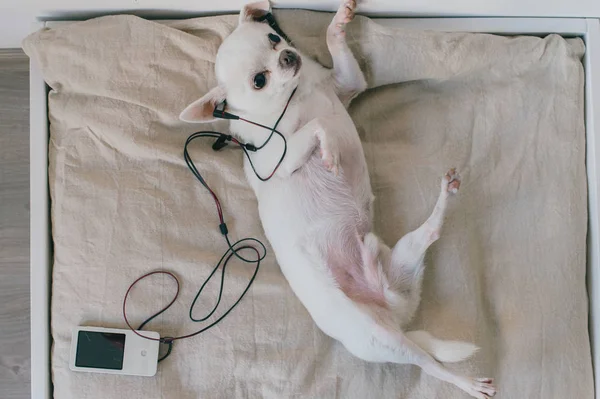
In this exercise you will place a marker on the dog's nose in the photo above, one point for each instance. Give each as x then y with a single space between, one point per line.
288 58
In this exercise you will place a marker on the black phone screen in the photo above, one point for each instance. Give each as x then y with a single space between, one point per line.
100 350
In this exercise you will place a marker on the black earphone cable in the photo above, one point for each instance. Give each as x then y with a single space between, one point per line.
233 249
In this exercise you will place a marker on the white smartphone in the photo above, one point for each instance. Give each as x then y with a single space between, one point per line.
113 351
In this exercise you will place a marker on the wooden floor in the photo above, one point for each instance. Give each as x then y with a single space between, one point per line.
14 225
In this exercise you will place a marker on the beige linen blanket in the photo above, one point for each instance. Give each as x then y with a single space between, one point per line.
508 272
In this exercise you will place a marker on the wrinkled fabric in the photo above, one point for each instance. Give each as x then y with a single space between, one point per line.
507 274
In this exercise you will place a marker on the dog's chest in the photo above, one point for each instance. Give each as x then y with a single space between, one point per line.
299 113
311 104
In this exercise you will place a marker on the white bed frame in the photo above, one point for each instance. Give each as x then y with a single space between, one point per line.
41 243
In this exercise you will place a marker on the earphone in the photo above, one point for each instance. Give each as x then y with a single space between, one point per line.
233 249
219 112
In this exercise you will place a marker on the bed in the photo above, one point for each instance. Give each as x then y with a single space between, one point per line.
509 272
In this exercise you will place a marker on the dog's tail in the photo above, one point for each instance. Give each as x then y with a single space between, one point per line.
443 351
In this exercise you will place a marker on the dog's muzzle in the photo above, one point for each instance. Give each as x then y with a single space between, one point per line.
290 60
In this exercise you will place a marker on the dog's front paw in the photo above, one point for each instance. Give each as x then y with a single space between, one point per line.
344 15
329 156
331 161
451 181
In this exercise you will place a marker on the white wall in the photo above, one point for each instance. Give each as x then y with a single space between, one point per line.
17 16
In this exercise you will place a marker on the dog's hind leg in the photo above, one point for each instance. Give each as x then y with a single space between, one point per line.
406 263
396 347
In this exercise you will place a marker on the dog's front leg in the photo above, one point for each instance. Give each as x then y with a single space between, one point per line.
348 78
302 144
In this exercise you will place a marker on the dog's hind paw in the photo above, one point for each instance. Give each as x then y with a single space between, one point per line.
480 388
451 181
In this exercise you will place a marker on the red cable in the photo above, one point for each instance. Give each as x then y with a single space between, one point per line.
169 340
156 314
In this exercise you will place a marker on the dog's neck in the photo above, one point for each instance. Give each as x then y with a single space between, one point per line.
268 117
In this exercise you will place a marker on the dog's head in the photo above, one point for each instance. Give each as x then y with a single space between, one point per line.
256 69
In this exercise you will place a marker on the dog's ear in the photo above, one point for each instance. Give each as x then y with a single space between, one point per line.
254 11
202 110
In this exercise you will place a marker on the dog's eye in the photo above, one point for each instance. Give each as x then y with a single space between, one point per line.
260 80
273 38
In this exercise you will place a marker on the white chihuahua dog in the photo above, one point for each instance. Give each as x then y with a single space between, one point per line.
317 209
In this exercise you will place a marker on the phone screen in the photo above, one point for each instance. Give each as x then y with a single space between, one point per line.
100 350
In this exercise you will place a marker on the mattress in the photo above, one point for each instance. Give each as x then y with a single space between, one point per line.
507 274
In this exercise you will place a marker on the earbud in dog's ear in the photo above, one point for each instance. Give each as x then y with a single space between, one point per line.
219 111
270 19
254 11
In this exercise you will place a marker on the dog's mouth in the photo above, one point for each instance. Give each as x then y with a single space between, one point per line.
289 59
